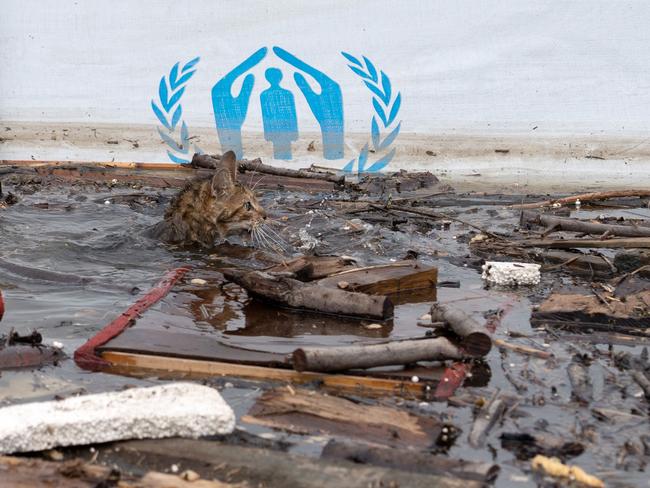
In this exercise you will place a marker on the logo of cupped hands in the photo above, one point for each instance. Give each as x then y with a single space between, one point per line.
278 109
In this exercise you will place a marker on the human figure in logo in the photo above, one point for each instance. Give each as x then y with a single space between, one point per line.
327 106
230 111
279 115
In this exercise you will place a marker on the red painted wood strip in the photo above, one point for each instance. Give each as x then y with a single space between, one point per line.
86 356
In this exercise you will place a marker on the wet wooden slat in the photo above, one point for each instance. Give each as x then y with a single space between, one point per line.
178 368
192 346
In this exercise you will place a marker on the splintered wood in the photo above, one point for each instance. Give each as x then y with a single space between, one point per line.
314 413
596 311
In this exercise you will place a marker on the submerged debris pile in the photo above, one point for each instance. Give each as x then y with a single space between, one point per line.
360 343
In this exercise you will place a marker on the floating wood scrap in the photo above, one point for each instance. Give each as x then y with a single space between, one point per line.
553 223
417 462
274 469
373 355
595 311
485 419
305 411
292 293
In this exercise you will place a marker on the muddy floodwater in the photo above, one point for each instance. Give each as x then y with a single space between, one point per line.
74 256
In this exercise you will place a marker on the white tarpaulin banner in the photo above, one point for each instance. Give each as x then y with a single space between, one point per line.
364 83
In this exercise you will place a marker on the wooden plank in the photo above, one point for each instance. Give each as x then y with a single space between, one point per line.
178 368
192 346
303 411
403 282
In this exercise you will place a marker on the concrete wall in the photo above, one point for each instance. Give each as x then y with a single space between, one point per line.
544 78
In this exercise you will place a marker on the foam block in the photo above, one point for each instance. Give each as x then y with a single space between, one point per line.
172 410
511 274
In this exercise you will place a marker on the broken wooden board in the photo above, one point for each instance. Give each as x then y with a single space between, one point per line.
402 282
580 311
192 346
309 412
142 365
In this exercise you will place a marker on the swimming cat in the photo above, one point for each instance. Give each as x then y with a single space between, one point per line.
210 209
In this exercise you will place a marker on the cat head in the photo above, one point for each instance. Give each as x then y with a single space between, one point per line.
235 207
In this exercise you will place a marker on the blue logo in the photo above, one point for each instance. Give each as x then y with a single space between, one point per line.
278 108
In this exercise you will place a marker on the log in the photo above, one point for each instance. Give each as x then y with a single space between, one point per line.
370 356
626 243
586 197
20 356
574 225
475 339
305 411
207 161
307 296
416 462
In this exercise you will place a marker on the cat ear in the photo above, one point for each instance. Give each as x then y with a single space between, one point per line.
221 181
229 162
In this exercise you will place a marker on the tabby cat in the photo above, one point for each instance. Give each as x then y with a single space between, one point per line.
211 209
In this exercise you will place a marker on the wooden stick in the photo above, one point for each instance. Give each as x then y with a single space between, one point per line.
625 242
586 197
207 161
370 356
575 225
485 420
476 340
522 349
181 368
296 294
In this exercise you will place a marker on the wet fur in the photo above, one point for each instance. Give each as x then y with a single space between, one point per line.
210 209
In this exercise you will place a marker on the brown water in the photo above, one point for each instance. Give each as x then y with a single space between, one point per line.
99 261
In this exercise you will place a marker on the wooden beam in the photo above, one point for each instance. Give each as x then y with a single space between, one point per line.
177 368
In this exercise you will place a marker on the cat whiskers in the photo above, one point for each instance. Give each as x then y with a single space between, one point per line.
269 238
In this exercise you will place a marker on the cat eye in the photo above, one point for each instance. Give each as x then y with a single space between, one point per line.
248 206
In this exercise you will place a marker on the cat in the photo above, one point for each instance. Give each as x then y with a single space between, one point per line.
210 209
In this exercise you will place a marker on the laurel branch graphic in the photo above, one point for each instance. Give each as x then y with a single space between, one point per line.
169 96
386 110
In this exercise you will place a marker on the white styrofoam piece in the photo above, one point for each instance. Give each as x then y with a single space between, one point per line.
511 274
176 409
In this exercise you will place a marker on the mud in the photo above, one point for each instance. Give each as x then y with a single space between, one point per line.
73 257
